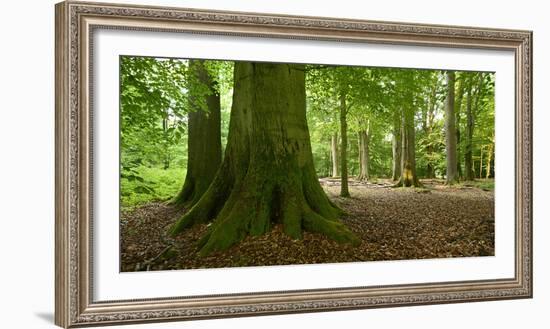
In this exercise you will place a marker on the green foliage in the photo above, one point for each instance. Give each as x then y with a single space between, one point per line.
153 106
377 95
484 184
364 90
482 87
150 184
155 97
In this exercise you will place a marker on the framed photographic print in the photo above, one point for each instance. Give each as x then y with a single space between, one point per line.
215 164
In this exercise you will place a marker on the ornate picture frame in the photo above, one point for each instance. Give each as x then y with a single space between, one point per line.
75 24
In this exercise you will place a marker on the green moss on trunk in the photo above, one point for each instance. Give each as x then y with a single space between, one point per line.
268 174
204 138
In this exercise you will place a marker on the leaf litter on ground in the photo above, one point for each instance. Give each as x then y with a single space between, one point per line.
393 224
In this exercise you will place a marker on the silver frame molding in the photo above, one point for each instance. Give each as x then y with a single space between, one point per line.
75 22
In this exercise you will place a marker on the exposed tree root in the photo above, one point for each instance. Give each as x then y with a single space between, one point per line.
452 182
362 177
335 230
408 183
146 266
185 195
252 211
206 208
190 194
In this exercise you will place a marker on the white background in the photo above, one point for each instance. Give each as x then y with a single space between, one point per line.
27 163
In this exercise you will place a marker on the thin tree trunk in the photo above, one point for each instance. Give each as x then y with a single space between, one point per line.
344 190
166 155
458 109
396 148
468 162
364 139
450 130
334 154
489 159
481 162
328 164
204 150
267 175
366 152
430 171
359 151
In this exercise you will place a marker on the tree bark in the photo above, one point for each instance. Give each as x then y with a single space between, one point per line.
203 142
334 154
344 190
396 148
481 162
458 109
468 163
489 159
364 139
428 128
166 153
267 175
408 152
450 130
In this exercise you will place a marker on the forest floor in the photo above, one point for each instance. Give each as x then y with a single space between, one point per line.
435 221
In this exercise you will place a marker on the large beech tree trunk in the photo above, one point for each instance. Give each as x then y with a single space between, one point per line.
203 142
396 148
344 190
408 152
364 139
334 154
450 130
267 174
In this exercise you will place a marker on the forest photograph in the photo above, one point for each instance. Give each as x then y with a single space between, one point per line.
235 163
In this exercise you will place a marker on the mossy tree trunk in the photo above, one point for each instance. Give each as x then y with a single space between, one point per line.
334 154
450 130
344 190
267 175
204 140
408 152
